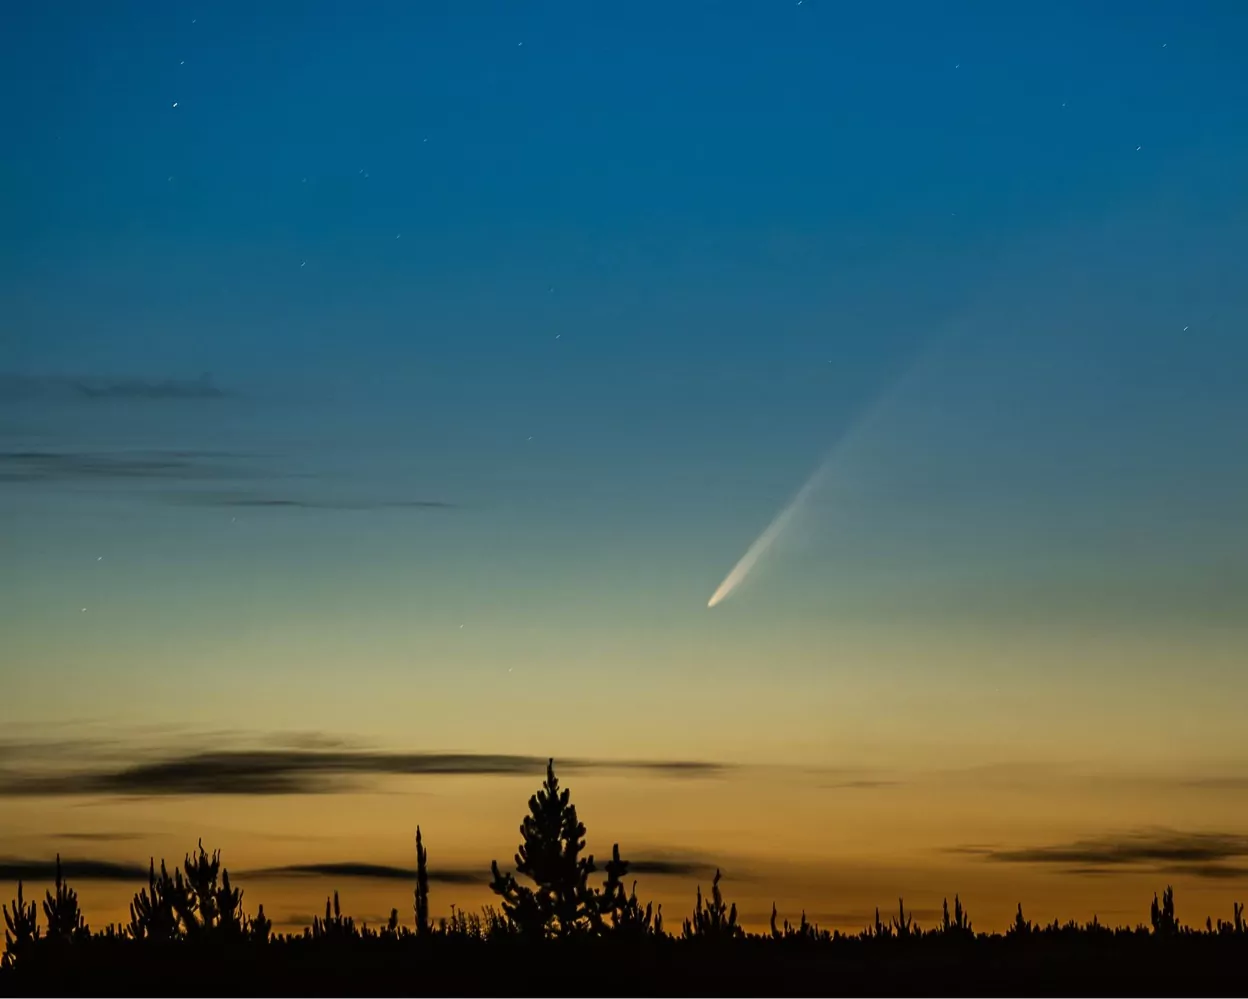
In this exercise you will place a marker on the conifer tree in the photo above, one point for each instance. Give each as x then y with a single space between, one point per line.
422 887
1163 919
154 911
21 928
63 915
550 856
561 903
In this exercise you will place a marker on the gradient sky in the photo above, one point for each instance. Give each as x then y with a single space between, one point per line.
526 320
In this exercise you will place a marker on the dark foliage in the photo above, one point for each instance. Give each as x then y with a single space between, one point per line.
422 886
595 940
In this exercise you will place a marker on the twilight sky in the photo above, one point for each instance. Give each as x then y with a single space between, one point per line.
403 378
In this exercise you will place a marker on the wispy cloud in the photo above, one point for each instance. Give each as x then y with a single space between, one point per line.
98 837
684 864
96 388
12 869
291 771
865 784
665 867
302 503
367 871
1200 854
95 466
136 388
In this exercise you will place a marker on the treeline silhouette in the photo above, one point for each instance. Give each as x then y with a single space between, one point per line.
559 932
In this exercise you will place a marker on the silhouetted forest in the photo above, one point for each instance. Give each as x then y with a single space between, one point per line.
565 926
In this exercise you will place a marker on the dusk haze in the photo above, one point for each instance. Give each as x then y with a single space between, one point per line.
820 429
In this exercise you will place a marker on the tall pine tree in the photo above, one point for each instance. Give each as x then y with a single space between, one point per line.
561 903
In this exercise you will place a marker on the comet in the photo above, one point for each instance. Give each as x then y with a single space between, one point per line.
765 540
786 516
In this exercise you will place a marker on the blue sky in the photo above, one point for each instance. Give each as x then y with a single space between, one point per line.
604 284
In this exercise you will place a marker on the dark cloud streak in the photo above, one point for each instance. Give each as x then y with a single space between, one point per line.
97 389
106 466
293 503
81 870
377 872
274 772
1200 854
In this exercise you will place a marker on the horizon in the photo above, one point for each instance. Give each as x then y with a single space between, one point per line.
377 385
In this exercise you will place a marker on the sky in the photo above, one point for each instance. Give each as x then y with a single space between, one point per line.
391 381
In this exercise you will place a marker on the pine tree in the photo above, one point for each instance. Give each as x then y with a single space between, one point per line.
902 924
960 924
550 856
21 928
1021 926
561 903
63 915
1164 922
422 887
154 911
259 928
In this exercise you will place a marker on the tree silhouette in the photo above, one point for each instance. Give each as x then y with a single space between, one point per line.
902 923
259 928
631 921
21 929
1021 926
960 924
561 903
207 905
154 911
422 887
64 917
1162 917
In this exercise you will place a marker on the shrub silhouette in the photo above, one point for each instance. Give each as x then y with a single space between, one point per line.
1020 927
715 921
631 921
803 931
335 926
960 924
902 923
